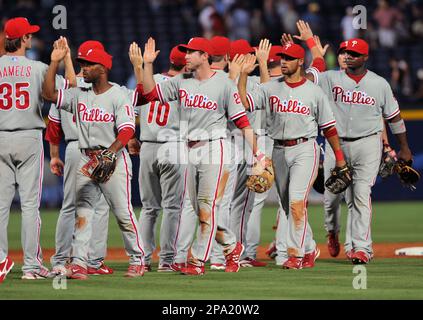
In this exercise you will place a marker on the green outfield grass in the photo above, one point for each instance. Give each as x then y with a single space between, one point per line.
331 279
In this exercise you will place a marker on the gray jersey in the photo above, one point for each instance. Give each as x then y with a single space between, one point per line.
68 120
159 122
205 105
358 107
292 112
99 118
21 81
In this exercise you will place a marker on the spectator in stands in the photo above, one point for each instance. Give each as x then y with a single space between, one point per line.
417 24
238 22
387 17
347 26
400 78
312 16
288 16
418 95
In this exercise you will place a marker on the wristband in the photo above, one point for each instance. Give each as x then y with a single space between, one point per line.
397 127
339 156
310 42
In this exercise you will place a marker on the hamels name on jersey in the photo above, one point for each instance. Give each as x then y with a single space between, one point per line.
94 114
288 106
198 100
353 97
15 71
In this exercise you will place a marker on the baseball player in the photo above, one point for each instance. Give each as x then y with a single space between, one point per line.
161 173
105 120
207 100
296 108
63 123
21 144
359 99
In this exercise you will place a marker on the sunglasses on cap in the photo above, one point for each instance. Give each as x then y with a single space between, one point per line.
353 53
287 58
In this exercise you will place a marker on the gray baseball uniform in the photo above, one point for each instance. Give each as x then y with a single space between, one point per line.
295 113
161 176
99 118
206 107
21 150
358 108
66 222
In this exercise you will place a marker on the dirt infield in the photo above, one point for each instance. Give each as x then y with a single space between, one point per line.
381 250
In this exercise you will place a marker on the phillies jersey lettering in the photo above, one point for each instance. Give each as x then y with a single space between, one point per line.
359 107
159 122
68 120
21 81
292 113
91 112
205 106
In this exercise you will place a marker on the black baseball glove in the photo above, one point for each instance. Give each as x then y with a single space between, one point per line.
407 175
388 161
101 166
339 180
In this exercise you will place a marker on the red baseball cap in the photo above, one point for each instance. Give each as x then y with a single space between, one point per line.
240 46
197 44
357 45
96 55
274 50
177 57
90 44
342 46
18 27
292 50
221 45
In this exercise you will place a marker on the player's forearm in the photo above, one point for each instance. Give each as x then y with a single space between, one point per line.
49 85
333 139
54 150
70 71
385 139
139 74
264 72
250 137
148 80
242 90
398 129
122 139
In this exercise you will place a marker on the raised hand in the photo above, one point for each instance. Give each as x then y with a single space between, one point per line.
262 53
249 63
319 45
135 55
286 38
305 31
150 53
235 66
60 49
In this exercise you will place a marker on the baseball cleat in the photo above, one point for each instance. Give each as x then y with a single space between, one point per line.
177 266
360 257
165 267
76 272
42 273
193 270
102 270
59 270
293 263
5 266
135 271
310 258
217 266
232 259
333 243
349 254
271 250
250 262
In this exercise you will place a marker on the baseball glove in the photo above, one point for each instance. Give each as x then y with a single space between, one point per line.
101 166
261 178
388 162
407 175
339 180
